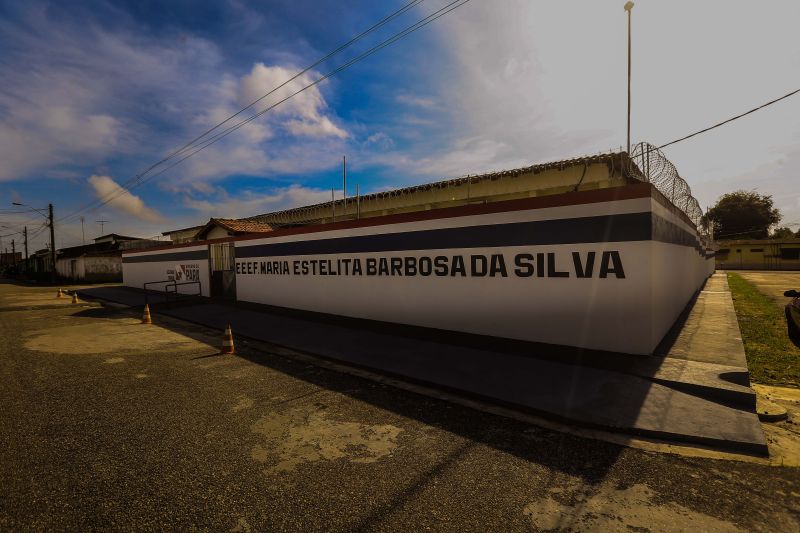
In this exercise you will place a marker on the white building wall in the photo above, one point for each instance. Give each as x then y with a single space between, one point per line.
627 307
627 314
135 273
217 233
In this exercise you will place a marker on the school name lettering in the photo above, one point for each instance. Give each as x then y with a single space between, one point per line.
523 265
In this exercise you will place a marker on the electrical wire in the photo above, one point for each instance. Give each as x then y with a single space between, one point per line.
327 56
730 119
455 4
369 52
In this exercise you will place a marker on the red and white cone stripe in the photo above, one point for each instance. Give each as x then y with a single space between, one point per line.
227 341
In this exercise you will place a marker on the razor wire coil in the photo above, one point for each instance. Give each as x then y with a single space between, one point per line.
649 164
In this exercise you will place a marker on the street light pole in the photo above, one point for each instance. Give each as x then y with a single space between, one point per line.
629 8
25 234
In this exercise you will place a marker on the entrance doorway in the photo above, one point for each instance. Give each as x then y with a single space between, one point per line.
222 257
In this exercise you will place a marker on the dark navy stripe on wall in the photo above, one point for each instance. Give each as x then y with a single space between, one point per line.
608 228
167 256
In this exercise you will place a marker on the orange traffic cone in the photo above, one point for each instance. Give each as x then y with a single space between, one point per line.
60 294
75 298
146 316
227 341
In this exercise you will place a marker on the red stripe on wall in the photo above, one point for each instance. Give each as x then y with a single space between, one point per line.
625 192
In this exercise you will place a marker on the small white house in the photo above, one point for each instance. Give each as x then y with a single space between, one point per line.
98 262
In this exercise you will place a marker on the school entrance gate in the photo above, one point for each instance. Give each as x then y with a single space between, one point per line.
222 260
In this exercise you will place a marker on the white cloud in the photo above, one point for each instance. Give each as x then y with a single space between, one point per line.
280 140
416 101
251 203
71 95
534 82
304 112
380 140
105 188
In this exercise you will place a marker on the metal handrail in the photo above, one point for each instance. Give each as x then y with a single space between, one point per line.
144 287
175 284
170 283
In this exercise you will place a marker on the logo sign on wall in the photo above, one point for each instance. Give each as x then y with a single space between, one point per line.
187 272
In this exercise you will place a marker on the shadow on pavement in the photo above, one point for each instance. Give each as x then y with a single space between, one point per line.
593 389
583 458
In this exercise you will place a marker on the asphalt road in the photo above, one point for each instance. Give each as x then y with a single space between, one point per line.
109 424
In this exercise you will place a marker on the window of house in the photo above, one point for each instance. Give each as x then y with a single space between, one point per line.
790 253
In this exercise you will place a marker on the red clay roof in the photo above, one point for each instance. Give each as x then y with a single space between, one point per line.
245 226
237 227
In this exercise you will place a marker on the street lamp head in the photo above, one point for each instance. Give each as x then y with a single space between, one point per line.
17 203
628 6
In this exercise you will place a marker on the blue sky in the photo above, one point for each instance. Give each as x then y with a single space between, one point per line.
93 92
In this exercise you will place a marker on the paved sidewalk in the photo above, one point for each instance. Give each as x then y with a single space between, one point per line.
710 332
683 397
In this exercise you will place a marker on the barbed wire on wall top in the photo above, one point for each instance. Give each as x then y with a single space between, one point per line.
651 165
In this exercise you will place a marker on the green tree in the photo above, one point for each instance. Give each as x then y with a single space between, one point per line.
742 215
782 233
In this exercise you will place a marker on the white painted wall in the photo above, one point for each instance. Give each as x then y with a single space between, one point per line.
627 315
136 274
592 312
103 266
217 233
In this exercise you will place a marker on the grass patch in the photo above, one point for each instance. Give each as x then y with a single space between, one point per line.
772 357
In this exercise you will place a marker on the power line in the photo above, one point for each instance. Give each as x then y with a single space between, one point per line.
207 142
20 232
731 119
327 56
455 4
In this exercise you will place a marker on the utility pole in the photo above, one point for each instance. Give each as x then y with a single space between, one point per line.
13 252
629 8
52 241
25 235
83 234
102 224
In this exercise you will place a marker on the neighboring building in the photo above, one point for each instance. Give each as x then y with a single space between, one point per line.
759 254
101 261
218 228
179 236
9 258
38 265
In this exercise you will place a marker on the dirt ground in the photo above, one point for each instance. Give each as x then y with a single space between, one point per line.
773 283
111 424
